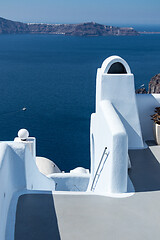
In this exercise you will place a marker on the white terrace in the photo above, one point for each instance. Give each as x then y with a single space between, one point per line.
38 201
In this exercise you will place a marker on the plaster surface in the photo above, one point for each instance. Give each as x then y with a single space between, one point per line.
18 171
70 181
115 125
90 216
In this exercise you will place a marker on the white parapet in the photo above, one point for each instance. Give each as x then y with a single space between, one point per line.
18 171
108 131
115 125
146 105
115 83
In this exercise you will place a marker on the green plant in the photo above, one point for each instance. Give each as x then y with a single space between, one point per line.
156 116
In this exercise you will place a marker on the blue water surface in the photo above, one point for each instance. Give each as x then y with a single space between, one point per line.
54 77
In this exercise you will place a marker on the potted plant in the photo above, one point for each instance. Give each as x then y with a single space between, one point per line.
156 125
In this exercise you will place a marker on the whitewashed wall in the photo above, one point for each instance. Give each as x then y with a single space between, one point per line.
114 125
108 131
146 104
18 171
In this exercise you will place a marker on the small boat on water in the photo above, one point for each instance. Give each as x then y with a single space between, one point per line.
118 198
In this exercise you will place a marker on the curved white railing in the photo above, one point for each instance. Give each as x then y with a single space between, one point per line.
109 131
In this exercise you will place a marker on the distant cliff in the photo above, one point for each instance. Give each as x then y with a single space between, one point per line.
154 84
141 90
83 29
8 26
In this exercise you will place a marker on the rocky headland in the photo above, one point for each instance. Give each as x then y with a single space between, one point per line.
141 90
154 84
82 29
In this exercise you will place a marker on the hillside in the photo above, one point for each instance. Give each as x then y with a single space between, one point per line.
83 29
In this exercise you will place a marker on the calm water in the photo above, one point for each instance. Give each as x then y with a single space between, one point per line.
54 78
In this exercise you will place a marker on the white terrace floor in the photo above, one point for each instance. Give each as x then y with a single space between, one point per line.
92 217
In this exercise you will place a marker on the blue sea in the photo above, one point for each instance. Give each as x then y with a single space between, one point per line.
54 77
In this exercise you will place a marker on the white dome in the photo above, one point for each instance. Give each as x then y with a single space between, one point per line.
46 166
79 170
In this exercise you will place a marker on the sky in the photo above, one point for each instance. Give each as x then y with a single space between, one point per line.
113 12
